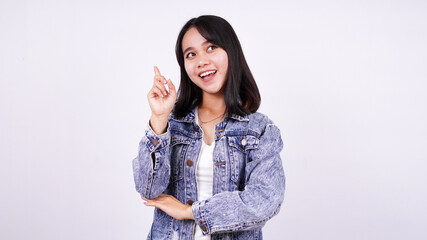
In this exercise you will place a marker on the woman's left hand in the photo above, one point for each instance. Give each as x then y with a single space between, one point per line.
170 205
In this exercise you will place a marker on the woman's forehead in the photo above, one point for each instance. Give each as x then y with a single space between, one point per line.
192 39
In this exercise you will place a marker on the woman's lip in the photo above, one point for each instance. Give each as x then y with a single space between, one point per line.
208 78
200 73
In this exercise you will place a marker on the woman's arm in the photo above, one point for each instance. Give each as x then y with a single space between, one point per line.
151 168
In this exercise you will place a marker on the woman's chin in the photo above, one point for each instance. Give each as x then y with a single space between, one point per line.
212 91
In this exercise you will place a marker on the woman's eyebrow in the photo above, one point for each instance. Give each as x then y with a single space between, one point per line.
188 49
191 48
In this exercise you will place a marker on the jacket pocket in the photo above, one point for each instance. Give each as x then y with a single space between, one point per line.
179 146
239 146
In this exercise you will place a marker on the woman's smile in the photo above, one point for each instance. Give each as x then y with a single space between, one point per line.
207 75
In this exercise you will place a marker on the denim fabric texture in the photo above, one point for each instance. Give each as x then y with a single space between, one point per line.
248 184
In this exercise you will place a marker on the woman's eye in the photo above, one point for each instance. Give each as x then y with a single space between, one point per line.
212 47
190 55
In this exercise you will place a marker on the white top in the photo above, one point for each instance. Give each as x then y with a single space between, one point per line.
204 179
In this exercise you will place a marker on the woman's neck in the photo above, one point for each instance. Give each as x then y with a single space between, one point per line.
213 103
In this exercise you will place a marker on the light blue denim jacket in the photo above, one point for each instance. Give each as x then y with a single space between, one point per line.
248 184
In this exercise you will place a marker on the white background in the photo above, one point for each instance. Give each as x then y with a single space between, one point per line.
345 81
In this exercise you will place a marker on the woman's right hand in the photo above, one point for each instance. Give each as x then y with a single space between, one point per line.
161 102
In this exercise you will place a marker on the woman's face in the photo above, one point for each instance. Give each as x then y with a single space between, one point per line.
205 63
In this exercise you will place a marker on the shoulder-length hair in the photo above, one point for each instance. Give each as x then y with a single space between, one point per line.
241 93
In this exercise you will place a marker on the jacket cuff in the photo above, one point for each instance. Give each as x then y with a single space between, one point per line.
199 214
154 141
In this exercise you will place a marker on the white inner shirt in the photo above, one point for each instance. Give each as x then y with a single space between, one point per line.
204 178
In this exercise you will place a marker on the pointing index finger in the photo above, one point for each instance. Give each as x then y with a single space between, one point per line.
156 71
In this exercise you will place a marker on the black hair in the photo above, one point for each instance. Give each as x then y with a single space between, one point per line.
241 93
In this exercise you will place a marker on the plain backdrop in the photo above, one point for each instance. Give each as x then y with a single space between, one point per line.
345 81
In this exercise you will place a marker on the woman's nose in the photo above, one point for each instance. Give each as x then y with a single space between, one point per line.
203 60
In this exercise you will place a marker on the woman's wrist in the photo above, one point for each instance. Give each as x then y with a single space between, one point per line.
189 212
158 124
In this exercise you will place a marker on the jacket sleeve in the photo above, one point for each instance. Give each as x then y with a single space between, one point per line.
151 169
258 202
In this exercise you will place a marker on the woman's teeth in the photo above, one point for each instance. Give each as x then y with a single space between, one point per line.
207 73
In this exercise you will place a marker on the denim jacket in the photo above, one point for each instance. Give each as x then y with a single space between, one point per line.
248 184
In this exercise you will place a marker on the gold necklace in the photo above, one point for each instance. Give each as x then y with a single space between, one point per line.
201 122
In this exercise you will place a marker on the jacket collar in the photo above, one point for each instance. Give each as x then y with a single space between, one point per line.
239 118
190 117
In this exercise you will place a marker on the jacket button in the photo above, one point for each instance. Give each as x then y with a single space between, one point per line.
189 163
154 141
203 227
219 130
190 202
243 142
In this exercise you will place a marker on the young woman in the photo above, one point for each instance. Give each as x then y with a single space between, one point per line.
209 163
